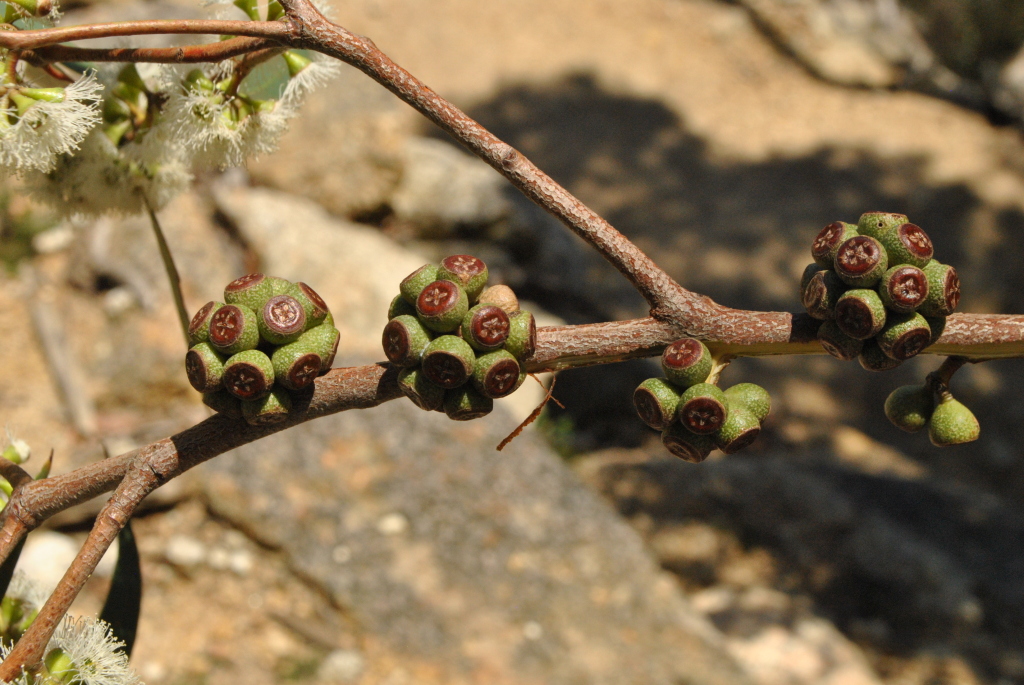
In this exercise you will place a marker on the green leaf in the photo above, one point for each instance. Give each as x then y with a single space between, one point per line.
124 600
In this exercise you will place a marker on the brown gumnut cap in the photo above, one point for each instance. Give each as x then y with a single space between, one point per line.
861 261
282 320
486 327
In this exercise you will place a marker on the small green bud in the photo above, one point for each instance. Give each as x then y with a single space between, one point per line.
860 313
686 445
323 340
281 320
312 304
117 131
496 374
204 367
656 401
224 403
399 307
466 404
952 424
821 294
413 284
248 375
60 666
22 103
826 245
404 340
686 362
296 62
861 261
448 361
199 327
751 397
267 410
943 290
466 270
43 94
903 288
909 407
442 305
522 335
907 244
424 394
233 328
876 224
486 327
197 81
129 75
808 274
252 290
838 344
904 336
703 408
739 430
500 296
872 358
296 365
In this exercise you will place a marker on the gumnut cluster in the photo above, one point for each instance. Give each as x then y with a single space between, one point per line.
460 344
949 422
262 347
694 415
881 295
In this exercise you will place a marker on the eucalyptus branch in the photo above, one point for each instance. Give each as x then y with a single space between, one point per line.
186 54
39 38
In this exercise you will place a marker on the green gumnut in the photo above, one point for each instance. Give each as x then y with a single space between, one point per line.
466 404
496 374
448 361
686 362
313 305
903 288
422 392
739 430
252 290
204 367
860 313
413 284
904 336
466 270
877 224
909 407
233 329
59 666
522 334
399 307
273 408
686 445
952 424
404 340
199 327
248 375
323 340
486 327
907 244
280 286
751 397
943 290
872 358
838 344
821 293
808 274
296 365
703 408
861 261
826 244
281 320
224 403
442 305
656 401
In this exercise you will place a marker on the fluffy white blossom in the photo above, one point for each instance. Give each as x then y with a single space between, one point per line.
316 74
92 649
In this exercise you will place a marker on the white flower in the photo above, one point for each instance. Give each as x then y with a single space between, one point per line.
50 129
92 648
21 448
26 590
317 73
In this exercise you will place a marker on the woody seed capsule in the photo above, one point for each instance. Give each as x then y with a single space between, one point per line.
323 340
500 296
280 286
424 394
233 328
485 327
860 313
838 344
404 340
413 284
686 362
204 367
876 224
826 245
496 374
466 404
522 335
248 375
296 365
738 431
441 306
903 288
872 358
448 361
656 401
267 410
223 402
466 270
703 408
907 244
399 307
252 291
199 327
904 336
686 445
281 320
312 304
861 261
821 294
943 290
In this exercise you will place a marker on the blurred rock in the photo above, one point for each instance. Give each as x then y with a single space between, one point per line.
47 555
341 666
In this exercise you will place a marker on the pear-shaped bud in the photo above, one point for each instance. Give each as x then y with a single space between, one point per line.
861 261
296 365
500 296
903 288
466 270
248 375
656 401
872 358
199 327
943 290
312 304
204 367
904 336
826 245
442 305
703 408
223 402
486 327
860 313
877 224
413 284
907 244
838 344
252 290
821 293
281 320
466 404
233 328
952 424
496 374
404 340
399 307
686 445
267 410
686 362
909 407
522 335
739 430
448 361
751 397
424 394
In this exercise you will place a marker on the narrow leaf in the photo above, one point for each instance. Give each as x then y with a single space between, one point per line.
172 271
124 601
